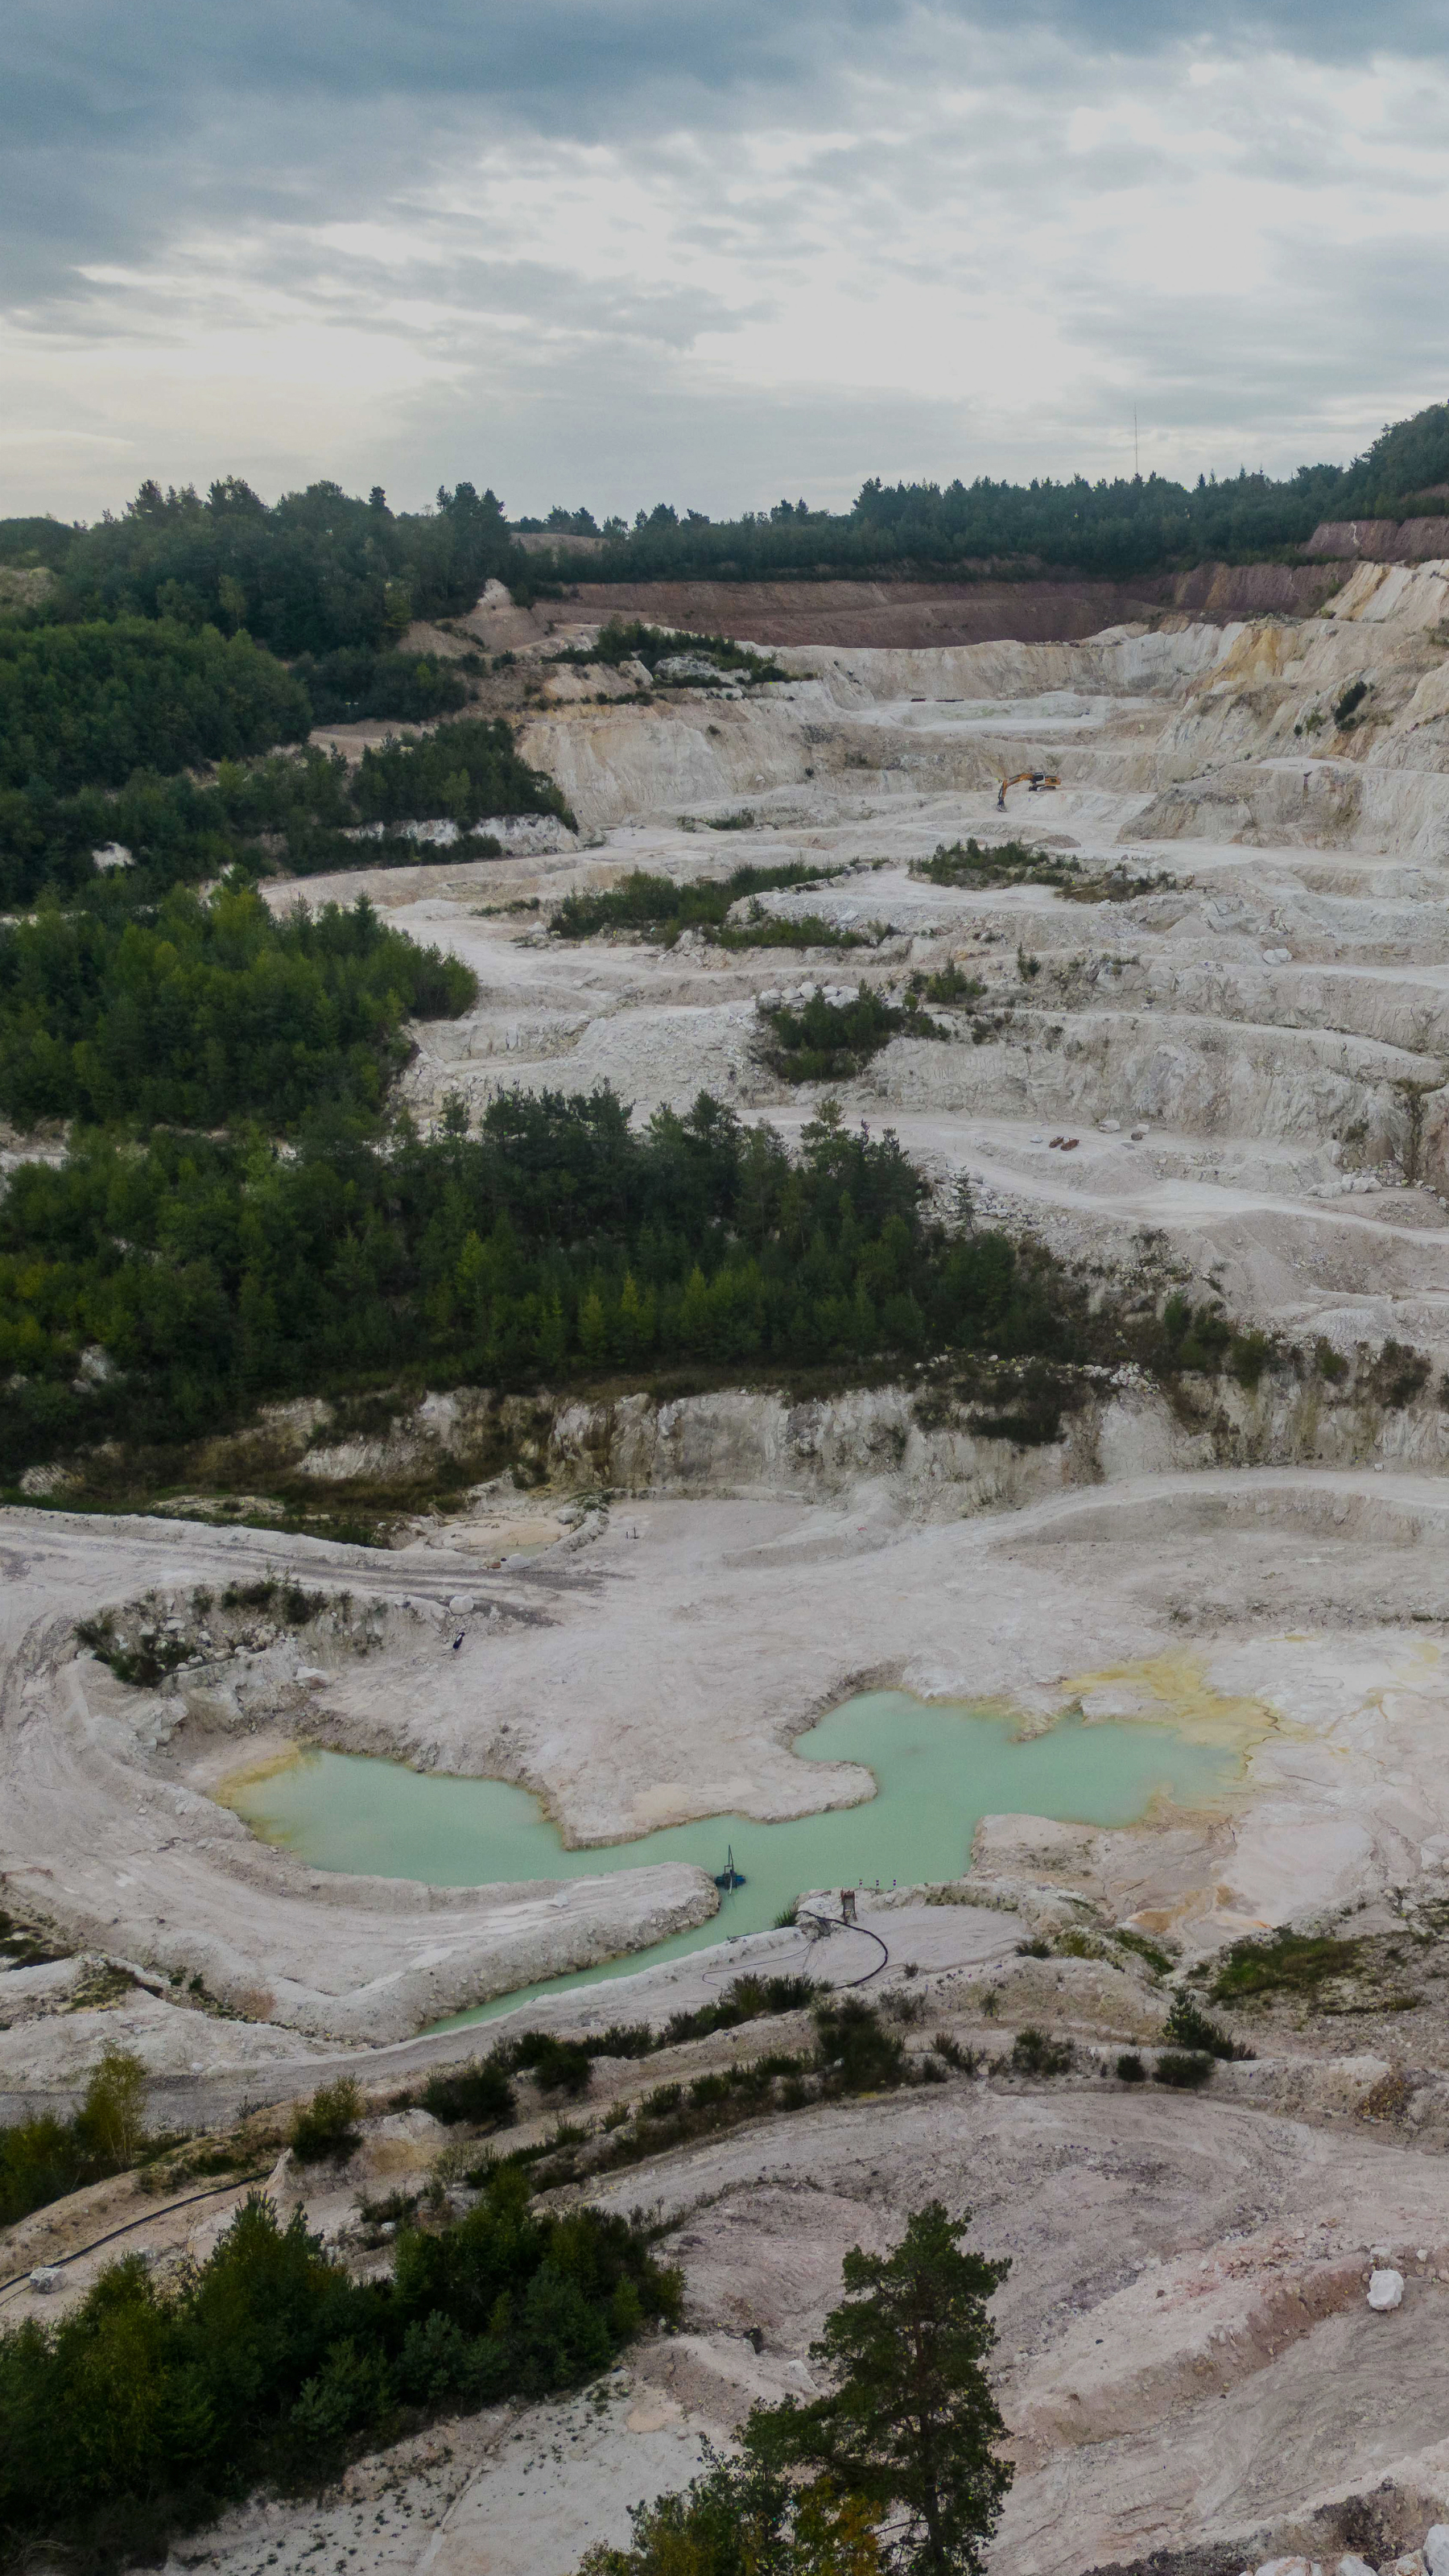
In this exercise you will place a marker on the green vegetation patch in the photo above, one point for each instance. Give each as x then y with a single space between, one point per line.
354 683
656 908
211 1012
460 774
1295 1963
974 866
820 1041
1188 2026
312 572
45 2158
627 640
1204 1341
1183 2069
297 813
85 706
143 2410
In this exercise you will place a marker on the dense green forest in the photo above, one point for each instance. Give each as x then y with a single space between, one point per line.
211 1012
141 2411
556 1241
1132 525
85 706
288 810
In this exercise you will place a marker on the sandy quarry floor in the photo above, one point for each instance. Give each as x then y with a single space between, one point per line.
1187 2352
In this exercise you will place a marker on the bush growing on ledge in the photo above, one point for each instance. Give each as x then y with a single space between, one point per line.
479 2093
628 640
1183 2070
829 1041
658 909
1035 2052
969 864
326 2128
1188 2026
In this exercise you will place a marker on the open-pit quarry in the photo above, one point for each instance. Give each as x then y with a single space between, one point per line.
1197 1045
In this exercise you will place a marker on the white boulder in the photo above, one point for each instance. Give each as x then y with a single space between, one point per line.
1436 2550
1385 2291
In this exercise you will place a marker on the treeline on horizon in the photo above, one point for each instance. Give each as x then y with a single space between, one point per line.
1132 525
320 572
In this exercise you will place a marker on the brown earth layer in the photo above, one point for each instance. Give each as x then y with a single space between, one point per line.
906 614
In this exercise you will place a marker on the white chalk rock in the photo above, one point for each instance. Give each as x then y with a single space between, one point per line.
1436 2550
1410 2564
1385 2291
46 2277
1290 2567
462 1602
314 1673
1352 2565
1110 1126
767 1001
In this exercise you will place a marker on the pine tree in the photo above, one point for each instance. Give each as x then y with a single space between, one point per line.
911 2423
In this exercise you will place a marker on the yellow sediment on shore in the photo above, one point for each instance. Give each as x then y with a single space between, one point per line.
1174 1689
283 1758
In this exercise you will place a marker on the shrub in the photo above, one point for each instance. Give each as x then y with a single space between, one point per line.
44 2159
1130 2069
856 2053
479 2093
557 2065
112 2120
1187 2026
326 2127
1035 2052
1185 2072
950 2051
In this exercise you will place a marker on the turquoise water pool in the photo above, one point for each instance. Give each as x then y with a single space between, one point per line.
939 1768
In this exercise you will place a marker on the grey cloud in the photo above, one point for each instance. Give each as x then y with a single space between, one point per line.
113 121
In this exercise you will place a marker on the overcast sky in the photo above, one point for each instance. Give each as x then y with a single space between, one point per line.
711 251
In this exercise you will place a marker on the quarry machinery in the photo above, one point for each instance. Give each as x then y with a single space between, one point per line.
1035 779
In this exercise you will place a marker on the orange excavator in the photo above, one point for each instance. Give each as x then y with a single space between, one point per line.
1035 779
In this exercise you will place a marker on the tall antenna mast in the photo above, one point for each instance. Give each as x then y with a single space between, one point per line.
1136 459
